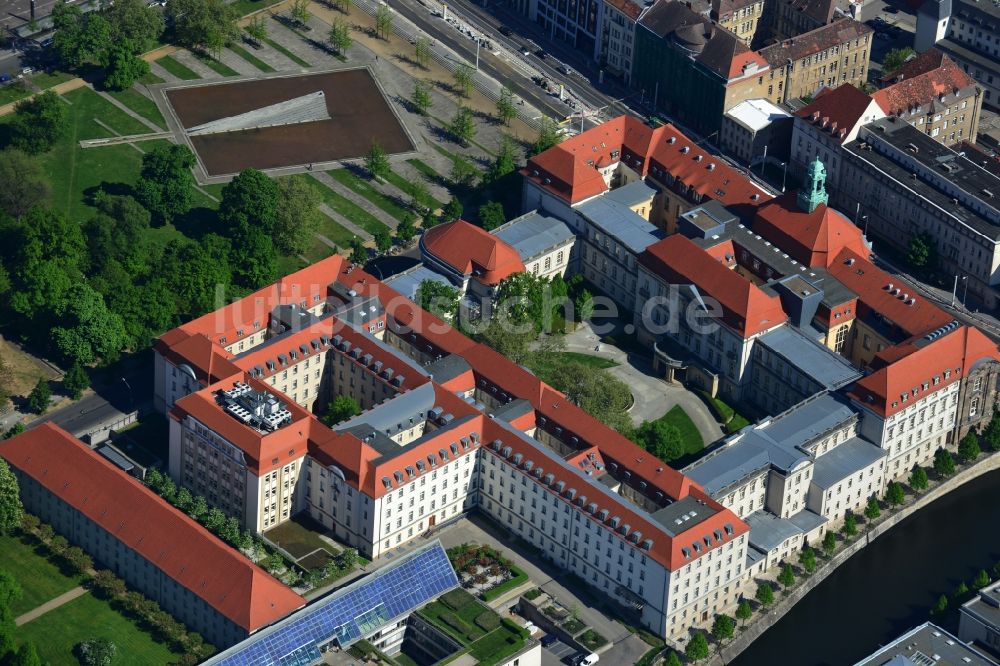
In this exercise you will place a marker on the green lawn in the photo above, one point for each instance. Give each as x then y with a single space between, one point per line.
44 80
250 58
678 418
13 92
297 538
141 104
56 632
456 613
283 51
40 579
426 169
365 189
76 171
216 66
244 7
348 209
150 79
544 364
406 186
176 68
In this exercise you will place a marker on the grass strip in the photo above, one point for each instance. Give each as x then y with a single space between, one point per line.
150 79
251 58
44 80
245 7
141 104
327 226
425 169
285 52
365 189
13 92
216 66
176 68
407 186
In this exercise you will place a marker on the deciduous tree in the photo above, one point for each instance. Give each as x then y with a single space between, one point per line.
920 255
968 448
787 576
11 510
253 258
300 11
165 181
661 439
342 408
894 494
506 111
723 628
895 58
462 126
383 239
697 647
123 66
38 399
204 24
87 330
297 217
376 161
134 20
918 478
491 215
383 21
850 527
76 380
422 51
872 511
505 161
440 299
39 123
422 99
24 182
944 464
829 543
548 136
340 36
743 611
251 198
807 558
256 30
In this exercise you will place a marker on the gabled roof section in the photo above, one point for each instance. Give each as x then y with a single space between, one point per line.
145 523
832 34
922 367
746 309
837 111
814 239
882 295
820 11
472 251
927 78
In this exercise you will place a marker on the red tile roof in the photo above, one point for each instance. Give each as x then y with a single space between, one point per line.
919 363
627 7
871 284
745 308
922 81
261 449
836 110
814 239
564 171
145 523
472 251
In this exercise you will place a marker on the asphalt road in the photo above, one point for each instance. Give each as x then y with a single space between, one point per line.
107 404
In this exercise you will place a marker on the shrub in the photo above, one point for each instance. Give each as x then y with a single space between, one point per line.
95 652
592 640
452 621
457 599
533 594
487 621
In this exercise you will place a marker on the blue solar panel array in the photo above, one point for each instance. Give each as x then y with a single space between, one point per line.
348 614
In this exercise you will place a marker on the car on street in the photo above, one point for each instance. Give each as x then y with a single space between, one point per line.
549 639
585 659
541 54
505 31
4 78
27 70
563 69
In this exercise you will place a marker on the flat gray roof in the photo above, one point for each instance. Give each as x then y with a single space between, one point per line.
985 606
682 515
926 645
846 459
829 370
633 194
767 531
618 220
407 282
398 413
534 234
778 442
447 368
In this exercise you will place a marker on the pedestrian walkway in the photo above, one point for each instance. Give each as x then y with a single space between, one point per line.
142 119
357 199
50 605
344 222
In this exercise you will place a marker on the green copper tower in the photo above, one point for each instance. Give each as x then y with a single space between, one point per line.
813 193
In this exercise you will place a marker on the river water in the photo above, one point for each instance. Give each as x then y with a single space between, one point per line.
891 585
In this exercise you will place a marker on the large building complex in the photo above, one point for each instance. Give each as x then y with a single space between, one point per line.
854 377
927 644
153 547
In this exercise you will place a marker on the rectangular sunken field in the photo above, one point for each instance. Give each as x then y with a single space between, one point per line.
359 115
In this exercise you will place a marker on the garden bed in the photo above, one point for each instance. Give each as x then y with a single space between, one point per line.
484 571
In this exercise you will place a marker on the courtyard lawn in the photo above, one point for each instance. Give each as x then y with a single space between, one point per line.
76 172
176 68
348 209
285 52
365 189
297 537
141 104
250 58
216 66
40 579
678 418
542 365
56 632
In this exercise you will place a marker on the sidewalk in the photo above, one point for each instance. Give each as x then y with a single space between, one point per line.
50 605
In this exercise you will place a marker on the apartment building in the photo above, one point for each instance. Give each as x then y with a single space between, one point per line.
966 31
790 18
920 643
822 127
152 546
618 37
905 183
934 95
544 243
741 17
832 54
979 619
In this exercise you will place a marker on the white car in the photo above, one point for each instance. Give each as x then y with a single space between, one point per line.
27 70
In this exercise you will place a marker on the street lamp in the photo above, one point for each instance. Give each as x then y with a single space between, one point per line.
965 290
784 174
131 398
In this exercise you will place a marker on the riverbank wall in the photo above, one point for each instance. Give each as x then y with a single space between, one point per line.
786 602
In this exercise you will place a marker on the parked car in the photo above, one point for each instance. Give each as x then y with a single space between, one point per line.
27 70
563 69
585 659
549 639
4 78
541 54
505 31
